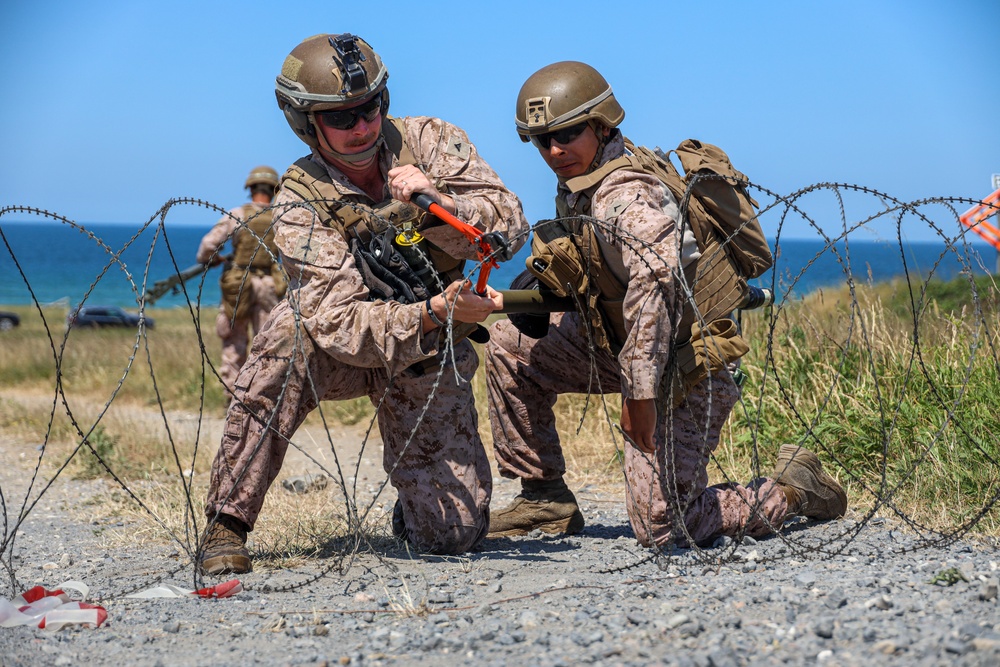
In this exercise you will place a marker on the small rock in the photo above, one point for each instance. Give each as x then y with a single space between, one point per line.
988 590
677 620
886 646
957 646
528 619
805 579
883 602
173 627
836 599
305 483
824 628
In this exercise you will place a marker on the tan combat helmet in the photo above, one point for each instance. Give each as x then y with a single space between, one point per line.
262 174
564 94
328 72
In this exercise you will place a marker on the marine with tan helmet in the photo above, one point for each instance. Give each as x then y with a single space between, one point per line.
252 282
358 320
611 200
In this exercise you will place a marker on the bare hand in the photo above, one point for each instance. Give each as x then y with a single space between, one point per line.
463 304
639 422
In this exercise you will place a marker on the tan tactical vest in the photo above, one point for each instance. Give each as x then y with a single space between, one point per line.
254 251
575 259
248 252
354 217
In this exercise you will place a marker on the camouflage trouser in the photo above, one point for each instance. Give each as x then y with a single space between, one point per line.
441 473
524 378
235 334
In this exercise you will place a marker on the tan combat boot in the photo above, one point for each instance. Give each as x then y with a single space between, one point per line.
548 506
224 550
809 490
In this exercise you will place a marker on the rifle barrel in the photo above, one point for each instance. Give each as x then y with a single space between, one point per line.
161 287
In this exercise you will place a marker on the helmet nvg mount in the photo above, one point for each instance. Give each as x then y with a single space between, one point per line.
328 72
564 94
262 174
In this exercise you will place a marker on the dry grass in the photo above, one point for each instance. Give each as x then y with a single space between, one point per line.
843 380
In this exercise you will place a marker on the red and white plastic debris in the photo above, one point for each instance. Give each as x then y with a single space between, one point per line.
51 610
54 610
224 590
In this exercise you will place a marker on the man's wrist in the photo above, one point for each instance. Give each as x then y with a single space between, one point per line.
430 313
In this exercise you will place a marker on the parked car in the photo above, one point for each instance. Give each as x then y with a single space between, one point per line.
9 320
104 316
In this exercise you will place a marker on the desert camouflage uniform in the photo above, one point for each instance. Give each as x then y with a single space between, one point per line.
326 341
235 334
524 377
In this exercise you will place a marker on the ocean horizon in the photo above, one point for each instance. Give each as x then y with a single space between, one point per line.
52 262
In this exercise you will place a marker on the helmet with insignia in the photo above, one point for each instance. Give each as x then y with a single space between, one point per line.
564 94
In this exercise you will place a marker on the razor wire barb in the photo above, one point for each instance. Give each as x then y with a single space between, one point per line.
858 336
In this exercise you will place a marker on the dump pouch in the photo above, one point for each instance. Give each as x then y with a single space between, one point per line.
385 273
236 295
710 350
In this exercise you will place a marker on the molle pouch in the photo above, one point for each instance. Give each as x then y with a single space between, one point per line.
710 350
558 265
237 295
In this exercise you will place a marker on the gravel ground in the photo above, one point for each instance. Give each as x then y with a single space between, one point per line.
836 593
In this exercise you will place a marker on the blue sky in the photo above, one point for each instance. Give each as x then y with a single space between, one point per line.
112 108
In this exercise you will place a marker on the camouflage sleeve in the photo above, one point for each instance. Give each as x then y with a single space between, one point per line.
454 165
647 215
217 236
326 288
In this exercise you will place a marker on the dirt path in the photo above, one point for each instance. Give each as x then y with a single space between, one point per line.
837 593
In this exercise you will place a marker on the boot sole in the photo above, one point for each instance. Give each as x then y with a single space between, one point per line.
570 526
837 504
226 564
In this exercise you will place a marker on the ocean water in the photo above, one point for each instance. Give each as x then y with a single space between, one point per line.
48 261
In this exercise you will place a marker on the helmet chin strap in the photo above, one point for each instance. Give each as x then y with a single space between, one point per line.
602 142
355 157
350 158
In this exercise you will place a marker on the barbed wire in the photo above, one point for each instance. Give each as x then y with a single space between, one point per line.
774 385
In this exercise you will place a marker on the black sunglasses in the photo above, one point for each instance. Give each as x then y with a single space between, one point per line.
345 119
563 136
